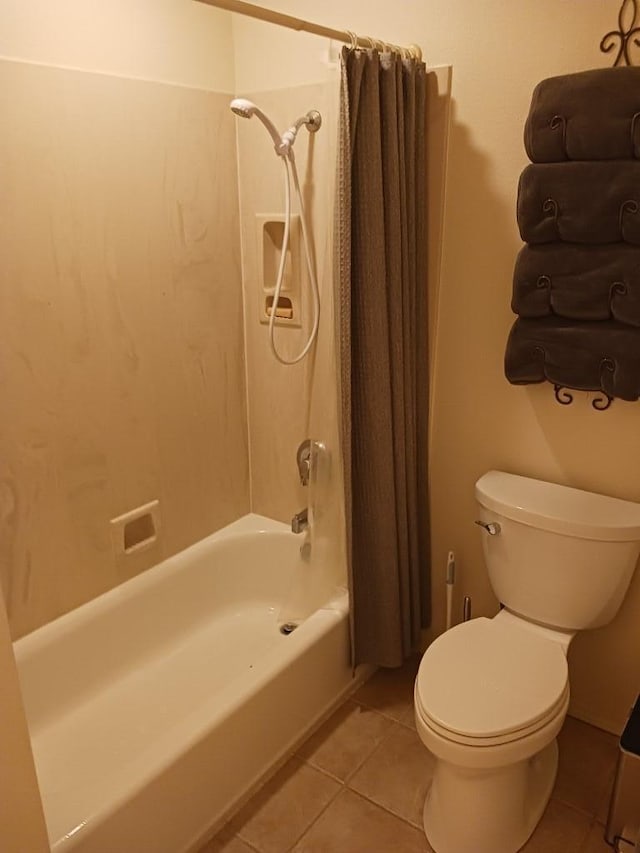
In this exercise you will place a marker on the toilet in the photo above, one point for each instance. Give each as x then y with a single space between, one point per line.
491 694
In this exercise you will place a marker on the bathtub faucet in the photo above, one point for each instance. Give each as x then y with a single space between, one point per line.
300 521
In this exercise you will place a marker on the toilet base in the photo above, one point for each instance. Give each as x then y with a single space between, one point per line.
470 810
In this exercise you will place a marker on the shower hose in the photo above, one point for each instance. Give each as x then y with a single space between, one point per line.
289 165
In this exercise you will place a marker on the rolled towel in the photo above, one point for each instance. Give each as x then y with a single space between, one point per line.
580 202
591 115
578 282
586 356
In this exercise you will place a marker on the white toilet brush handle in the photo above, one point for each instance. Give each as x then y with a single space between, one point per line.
451 577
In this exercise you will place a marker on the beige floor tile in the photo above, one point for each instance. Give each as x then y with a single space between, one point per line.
397 775
595 842
347 738
390 691
409 717
384 761
352 824
284 808
586 768
561 830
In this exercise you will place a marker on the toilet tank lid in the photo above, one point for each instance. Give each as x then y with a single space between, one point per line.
560 509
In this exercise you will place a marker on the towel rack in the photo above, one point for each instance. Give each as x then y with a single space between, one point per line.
628 31
565 398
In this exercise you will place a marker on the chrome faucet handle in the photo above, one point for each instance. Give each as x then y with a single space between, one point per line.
303 458
492 527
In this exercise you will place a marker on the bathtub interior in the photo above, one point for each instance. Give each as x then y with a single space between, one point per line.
257 578
116 691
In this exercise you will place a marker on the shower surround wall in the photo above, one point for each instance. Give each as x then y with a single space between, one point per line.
289 403
122 358
122 354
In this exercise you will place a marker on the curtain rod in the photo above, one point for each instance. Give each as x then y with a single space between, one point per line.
272 17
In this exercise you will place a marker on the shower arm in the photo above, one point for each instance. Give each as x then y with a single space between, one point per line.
312 121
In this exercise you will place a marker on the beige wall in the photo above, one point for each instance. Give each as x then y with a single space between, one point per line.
290 403
499 52
280 395
172 41
122 347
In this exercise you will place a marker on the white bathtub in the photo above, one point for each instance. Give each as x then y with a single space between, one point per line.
156 707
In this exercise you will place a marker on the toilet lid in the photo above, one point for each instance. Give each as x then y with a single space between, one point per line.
486 679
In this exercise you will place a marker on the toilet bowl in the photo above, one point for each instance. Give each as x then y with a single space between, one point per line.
492 694
490 697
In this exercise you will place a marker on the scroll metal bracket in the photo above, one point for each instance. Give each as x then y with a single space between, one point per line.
562 395
599 403
628 32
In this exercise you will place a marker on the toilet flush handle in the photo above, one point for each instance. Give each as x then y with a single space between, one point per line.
492 527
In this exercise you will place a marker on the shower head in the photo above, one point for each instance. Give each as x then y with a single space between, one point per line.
242 107
245 109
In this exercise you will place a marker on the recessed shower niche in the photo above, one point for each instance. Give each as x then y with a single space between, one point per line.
271 234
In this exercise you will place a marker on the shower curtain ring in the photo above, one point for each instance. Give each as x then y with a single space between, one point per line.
370 40
354 39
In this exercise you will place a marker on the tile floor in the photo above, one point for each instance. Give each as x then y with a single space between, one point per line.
358 785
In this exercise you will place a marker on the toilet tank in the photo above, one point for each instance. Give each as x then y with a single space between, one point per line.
562 557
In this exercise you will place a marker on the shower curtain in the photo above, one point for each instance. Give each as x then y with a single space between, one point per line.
382 331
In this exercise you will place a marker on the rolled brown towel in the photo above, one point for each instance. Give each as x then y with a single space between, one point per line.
578 282
580 202
591 115
586 356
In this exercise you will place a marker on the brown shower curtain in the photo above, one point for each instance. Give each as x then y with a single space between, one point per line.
382 316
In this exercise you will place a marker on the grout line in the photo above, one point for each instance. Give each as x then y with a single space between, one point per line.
320 813
374 749
586 845
119 75
248 844
362 760
581 811
388 735
379 710
386 809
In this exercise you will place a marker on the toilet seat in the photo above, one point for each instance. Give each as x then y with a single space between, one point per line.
560 708
486 682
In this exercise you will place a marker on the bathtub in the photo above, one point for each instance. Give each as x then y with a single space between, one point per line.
157 707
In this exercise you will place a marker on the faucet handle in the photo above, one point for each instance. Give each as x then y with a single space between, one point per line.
303 458
492 527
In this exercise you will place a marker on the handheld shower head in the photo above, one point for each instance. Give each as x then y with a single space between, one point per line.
245 109
284 149
242 107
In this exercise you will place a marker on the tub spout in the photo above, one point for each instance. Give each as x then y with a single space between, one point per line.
300 521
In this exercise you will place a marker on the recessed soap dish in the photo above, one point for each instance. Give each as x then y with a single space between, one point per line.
284 308
136 530
270 229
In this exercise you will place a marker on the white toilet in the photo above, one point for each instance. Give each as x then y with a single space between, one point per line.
492 694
